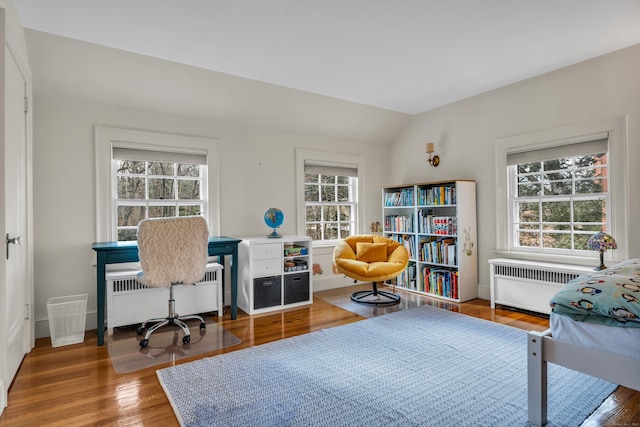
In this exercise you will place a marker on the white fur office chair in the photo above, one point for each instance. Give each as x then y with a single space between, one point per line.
172 251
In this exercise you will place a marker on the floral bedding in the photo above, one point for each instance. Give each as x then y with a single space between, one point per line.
607 297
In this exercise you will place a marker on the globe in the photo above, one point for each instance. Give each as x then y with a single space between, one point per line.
274 218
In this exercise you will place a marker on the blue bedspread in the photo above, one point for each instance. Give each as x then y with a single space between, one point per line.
607 297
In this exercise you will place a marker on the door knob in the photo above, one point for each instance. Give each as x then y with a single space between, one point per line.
12 240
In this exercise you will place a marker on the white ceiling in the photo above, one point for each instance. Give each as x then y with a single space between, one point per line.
407 56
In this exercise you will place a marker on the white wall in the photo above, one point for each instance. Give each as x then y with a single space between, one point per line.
464 133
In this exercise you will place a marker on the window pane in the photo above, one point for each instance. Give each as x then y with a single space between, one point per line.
343 193
330 213
130 187
189 210
528 212
331 231
529 239
529 167
130 167
556 211
311 193
188 170
345 213
314 231
328 179
556 240
557 176
556 188
591 186
131 215
343 180
188 189
345 230
580 241
555 164
161 188
159 168
589 211
311 178
529 189
313 213
161 211
328 193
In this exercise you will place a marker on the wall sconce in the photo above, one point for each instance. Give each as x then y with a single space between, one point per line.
433 160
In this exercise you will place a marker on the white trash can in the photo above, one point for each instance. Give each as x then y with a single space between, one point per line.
67 317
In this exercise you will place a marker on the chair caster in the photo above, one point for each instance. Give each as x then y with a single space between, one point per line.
144 343
186 339
140 330
203 326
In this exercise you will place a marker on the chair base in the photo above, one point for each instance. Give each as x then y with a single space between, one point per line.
387 298
171 319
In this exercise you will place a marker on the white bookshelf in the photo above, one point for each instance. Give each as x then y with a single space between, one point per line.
436 221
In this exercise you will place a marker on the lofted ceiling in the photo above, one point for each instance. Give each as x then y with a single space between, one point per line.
406 56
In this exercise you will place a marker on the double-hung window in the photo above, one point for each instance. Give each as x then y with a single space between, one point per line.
555 188
329 186
142 174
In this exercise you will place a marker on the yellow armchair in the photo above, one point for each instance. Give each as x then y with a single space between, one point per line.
371 258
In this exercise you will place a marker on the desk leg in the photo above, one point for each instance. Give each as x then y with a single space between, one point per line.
101 290
234 282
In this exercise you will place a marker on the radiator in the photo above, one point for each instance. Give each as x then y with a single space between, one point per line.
529 285
130 302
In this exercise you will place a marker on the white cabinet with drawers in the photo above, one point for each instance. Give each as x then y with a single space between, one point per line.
274 273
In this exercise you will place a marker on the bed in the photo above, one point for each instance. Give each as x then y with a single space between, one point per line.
594 328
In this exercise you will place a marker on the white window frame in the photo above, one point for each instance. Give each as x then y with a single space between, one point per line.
616 128
328 159
108 137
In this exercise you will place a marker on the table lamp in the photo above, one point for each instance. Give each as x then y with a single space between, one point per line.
601 242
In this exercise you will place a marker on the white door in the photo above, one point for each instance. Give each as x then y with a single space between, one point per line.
17 289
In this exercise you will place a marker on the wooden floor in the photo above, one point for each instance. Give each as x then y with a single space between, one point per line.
76 385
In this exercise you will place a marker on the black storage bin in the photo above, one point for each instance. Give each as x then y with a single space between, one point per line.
296 288
266 292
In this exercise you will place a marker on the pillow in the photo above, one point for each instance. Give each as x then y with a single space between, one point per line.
371 252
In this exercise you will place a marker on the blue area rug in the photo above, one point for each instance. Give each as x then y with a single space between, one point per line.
419 367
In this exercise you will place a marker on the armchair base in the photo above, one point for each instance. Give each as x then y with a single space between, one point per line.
381 297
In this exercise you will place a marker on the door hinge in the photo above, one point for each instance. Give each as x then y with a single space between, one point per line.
26 104
27 312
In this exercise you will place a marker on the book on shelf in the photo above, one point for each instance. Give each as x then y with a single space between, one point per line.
398 223
438 195
407 241
403 197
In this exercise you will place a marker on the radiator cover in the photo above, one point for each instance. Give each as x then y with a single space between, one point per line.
529 285
129 302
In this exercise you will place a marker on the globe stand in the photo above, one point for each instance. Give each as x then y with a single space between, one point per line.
274 235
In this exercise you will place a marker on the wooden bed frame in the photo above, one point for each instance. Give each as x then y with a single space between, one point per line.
542 348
